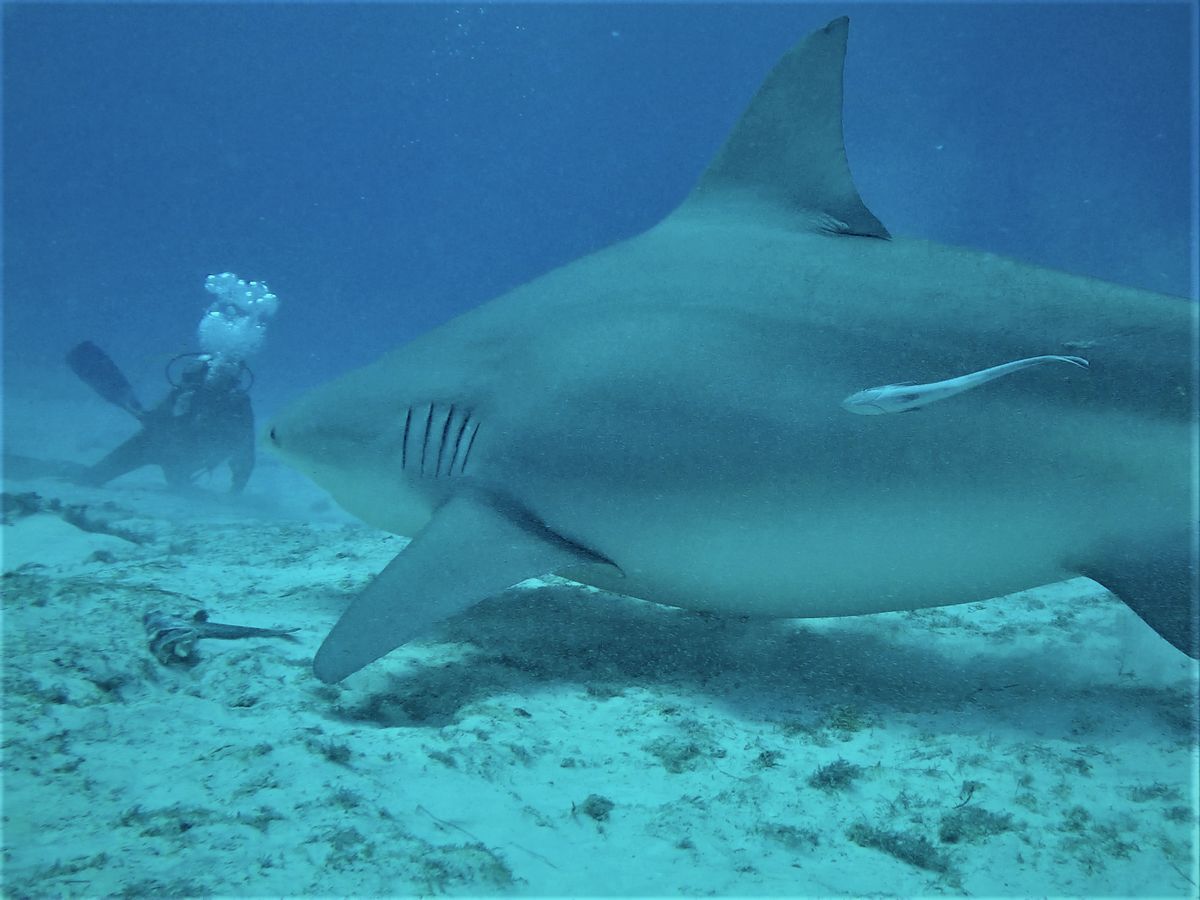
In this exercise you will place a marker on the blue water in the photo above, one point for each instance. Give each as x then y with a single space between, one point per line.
385 167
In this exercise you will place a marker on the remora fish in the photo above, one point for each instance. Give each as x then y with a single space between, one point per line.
906 396
173 638
663 417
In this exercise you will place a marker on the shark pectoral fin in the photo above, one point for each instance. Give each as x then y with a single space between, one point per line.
472 549
1156 578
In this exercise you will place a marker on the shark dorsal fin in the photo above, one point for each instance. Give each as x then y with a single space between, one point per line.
786 151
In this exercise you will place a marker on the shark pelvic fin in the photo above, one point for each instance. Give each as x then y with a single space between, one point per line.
1156 577
787 151
473 548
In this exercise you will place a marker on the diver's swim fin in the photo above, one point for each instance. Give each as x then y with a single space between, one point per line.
98 371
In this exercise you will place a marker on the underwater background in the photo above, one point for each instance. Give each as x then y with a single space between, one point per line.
384 167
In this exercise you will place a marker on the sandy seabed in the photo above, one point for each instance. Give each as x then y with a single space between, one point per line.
557 740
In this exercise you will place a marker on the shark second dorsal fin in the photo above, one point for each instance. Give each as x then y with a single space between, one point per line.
786 151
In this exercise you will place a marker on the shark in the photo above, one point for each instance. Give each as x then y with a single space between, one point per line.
663 418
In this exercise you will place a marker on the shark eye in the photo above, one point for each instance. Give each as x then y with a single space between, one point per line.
273 436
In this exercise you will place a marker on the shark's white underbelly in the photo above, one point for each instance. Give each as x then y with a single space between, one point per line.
840 561
831 541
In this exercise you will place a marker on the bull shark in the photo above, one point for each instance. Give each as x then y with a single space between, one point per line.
663 418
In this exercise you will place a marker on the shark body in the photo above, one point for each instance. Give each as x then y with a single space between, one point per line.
663 418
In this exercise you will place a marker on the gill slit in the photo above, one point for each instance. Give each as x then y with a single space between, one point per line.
425 438
467 452
462 429
404 443
437 469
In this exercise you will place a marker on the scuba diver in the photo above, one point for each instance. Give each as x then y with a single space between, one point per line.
204 421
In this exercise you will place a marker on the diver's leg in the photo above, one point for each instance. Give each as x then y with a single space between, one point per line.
241 461
133 454
178 477
240 467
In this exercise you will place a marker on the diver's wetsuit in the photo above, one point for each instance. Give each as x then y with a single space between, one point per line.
200 424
